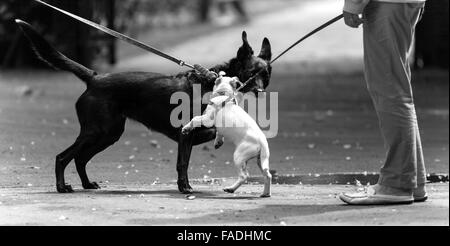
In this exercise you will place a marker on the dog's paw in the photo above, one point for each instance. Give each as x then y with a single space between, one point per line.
218 144
186 130
265 196
229 190
91 186
64 188
185 188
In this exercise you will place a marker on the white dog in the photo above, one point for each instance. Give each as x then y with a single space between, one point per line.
233 123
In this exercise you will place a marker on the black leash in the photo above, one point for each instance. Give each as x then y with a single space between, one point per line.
292 46
198 68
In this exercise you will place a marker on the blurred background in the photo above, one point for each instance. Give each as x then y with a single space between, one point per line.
166 23
327 123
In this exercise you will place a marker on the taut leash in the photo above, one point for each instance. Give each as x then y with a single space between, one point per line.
198 68
326 24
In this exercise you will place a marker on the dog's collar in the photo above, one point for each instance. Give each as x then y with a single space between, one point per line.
222 100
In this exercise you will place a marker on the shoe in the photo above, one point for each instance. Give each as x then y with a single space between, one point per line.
420 194
421 198
370 197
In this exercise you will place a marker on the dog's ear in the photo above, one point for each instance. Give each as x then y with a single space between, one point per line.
245 51
266 50
218 80
235 82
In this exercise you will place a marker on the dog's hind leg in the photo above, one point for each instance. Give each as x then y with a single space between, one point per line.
102 142
243 176
242 154
62 160
83 158
263 164
110 131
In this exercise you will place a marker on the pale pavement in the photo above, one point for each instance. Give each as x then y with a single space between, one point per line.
163 205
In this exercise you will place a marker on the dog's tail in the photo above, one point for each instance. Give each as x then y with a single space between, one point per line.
53 57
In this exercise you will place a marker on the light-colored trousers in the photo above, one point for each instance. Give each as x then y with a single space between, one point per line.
388 40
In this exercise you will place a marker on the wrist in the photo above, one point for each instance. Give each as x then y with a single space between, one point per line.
355 6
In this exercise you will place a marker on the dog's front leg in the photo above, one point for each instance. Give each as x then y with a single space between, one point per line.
207 119
195 122
185 143
184 154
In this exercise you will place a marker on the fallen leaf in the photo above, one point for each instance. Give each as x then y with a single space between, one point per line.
62 217
347 146
154 144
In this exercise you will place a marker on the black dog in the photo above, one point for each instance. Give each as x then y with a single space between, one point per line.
145 97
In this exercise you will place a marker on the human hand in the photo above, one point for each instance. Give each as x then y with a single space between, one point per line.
210 75
352 20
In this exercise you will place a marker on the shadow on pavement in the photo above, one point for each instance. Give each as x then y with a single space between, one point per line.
172 192
267 214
